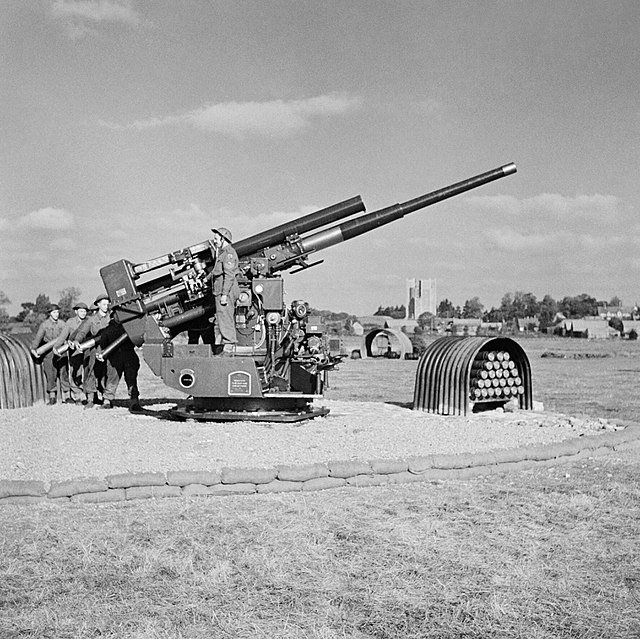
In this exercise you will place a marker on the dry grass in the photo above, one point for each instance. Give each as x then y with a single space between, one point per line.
547 553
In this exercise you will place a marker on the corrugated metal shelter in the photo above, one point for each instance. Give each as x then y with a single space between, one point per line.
444 374
22 381
398 342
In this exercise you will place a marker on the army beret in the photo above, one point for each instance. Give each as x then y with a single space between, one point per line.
81 305
100 298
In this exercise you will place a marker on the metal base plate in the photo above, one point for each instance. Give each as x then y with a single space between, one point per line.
183 413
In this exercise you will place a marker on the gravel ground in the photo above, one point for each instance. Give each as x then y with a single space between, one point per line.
65 442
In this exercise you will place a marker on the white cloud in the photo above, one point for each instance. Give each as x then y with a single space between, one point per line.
84 17
601 208
277 117
96 11
48 218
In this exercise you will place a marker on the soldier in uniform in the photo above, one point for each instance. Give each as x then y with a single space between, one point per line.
55 366
75 359
225 290
122 360
95 372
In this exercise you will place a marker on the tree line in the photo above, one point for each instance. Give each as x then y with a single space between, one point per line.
513 306
33 313
518 305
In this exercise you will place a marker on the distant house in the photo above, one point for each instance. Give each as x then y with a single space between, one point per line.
370 322
631 325
357 328
490 328
374 321
17 328
620 312
589 328
526 324
460 326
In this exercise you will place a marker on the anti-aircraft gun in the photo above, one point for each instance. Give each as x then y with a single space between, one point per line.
282 357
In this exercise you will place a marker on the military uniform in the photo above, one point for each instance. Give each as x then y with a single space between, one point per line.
95 371
75 360
123 360
224 273
55 366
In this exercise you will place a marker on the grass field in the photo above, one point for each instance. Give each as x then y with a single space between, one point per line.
546 553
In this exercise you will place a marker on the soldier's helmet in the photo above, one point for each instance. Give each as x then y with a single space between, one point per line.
226 233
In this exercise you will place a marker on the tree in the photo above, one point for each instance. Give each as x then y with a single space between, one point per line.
425 321
493 315
506 307
617 324
396 312
38 312
446 309
547 311
4 316
582 305
525 304
615 301
68 298
27 307
473 309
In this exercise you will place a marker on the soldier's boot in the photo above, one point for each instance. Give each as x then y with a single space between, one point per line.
89 402
106 403
134 406
52 399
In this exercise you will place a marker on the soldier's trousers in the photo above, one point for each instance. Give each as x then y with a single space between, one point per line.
117 367
55 368
95 375
225 321
76 370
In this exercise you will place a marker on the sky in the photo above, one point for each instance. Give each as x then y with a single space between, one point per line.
131 127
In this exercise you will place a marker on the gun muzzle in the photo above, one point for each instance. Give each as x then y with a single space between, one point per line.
370 221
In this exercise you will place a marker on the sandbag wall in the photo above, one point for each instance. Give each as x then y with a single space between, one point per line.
313 477
22 380
447 377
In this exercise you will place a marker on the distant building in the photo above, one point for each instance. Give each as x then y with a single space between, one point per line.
357 328
524 324
421 298
464 327
586 327
370 322
621 312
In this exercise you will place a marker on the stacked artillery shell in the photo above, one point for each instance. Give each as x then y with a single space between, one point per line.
494 376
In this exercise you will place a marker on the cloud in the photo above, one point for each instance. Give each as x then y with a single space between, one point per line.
237 119
81 17
96 11
48 218
552 205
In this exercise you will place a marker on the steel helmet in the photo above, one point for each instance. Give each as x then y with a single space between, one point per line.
226 233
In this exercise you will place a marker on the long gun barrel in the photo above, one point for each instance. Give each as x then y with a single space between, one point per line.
303 224
371 221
